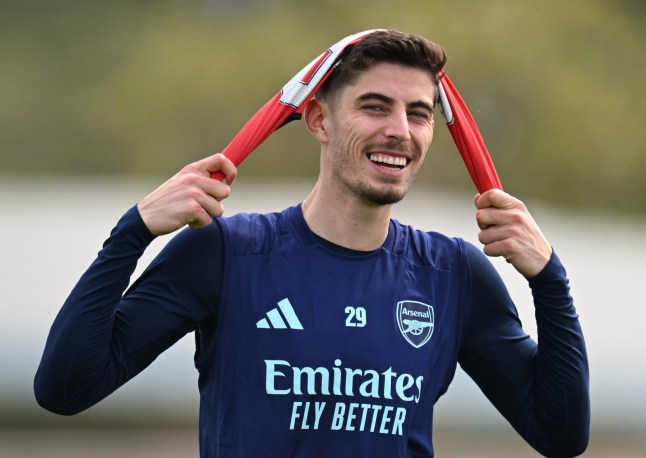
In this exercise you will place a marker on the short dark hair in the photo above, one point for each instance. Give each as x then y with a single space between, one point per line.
389 46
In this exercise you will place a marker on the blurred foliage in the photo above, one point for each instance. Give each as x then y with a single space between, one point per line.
142 88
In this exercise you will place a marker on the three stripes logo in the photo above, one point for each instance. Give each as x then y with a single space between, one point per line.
281 317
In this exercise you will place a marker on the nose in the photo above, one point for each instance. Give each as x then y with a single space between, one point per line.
397 125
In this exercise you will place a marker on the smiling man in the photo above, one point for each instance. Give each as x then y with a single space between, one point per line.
330 329
374 134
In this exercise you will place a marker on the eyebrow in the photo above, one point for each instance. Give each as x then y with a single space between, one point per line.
390 101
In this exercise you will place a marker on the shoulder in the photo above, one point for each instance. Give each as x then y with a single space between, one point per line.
429 248
250 233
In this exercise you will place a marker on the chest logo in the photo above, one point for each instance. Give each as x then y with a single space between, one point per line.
284 319
416 322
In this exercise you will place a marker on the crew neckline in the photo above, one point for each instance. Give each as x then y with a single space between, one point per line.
309 237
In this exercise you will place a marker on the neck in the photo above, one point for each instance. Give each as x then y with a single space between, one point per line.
345 220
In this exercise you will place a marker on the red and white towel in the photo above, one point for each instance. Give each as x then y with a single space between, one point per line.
290 102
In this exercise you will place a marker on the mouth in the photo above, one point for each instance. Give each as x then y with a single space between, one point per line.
388 161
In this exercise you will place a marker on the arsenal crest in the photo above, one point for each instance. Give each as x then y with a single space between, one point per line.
416 322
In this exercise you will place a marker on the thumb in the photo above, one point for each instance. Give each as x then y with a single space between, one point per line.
494 198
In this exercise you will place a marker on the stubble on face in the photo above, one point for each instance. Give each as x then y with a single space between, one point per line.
365 118
375 194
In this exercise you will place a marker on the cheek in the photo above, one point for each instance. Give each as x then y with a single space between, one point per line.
348 139
424 140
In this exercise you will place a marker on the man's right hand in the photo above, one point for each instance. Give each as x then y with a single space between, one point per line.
190 197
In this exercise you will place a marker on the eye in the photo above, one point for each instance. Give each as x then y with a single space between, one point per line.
373 108
421 116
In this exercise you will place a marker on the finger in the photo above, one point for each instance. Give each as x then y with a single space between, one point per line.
488 217
513 212
497 233
193 182
497 248
500 249
493 234
203 195
200 218
216 189
211 205
196 197
217 163
495 198
475 199
228 169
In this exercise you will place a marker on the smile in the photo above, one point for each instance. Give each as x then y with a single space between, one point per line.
394 162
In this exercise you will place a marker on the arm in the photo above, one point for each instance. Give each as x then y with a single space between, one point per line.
540 388
102 338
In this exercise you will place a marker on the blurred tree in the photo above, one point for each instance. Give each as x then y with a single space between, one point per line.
142 88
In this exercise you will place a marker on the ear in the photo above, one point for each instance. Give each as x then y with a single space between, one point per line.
315 116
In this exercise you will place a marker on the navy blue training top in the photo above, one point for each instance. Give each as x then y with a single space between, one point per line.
305 348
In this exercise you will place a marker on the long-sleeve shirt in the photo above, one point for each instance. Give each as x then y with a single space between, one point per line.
305 348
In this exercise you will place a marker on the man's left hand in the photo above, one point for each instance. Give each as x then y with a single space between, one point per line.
508 230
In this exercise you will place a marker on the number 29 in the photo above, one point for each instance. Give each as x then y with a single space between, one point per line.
355 317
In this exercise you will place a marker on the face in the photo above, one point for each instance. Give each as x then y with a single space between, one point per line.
378 131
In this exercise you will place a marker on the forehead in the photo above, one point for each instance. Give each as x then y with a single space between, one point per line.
402 83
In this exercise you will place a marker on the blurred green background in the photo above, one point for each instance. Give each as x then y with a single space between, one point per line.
125 93
141 88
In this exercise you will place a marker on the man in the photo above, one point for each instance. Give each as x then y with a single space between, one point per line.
330 329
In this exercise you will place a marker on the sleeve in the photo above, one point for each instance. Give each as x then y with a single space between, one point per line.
541 388
101 337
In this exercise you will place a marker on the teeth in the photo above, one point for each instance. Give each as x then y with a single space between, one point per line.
390 160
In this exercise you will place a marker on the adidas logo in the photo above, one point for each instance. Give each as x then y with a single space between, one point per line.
282 317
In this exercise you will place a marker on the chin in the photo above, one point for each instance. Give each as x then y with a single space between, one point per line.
381 197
